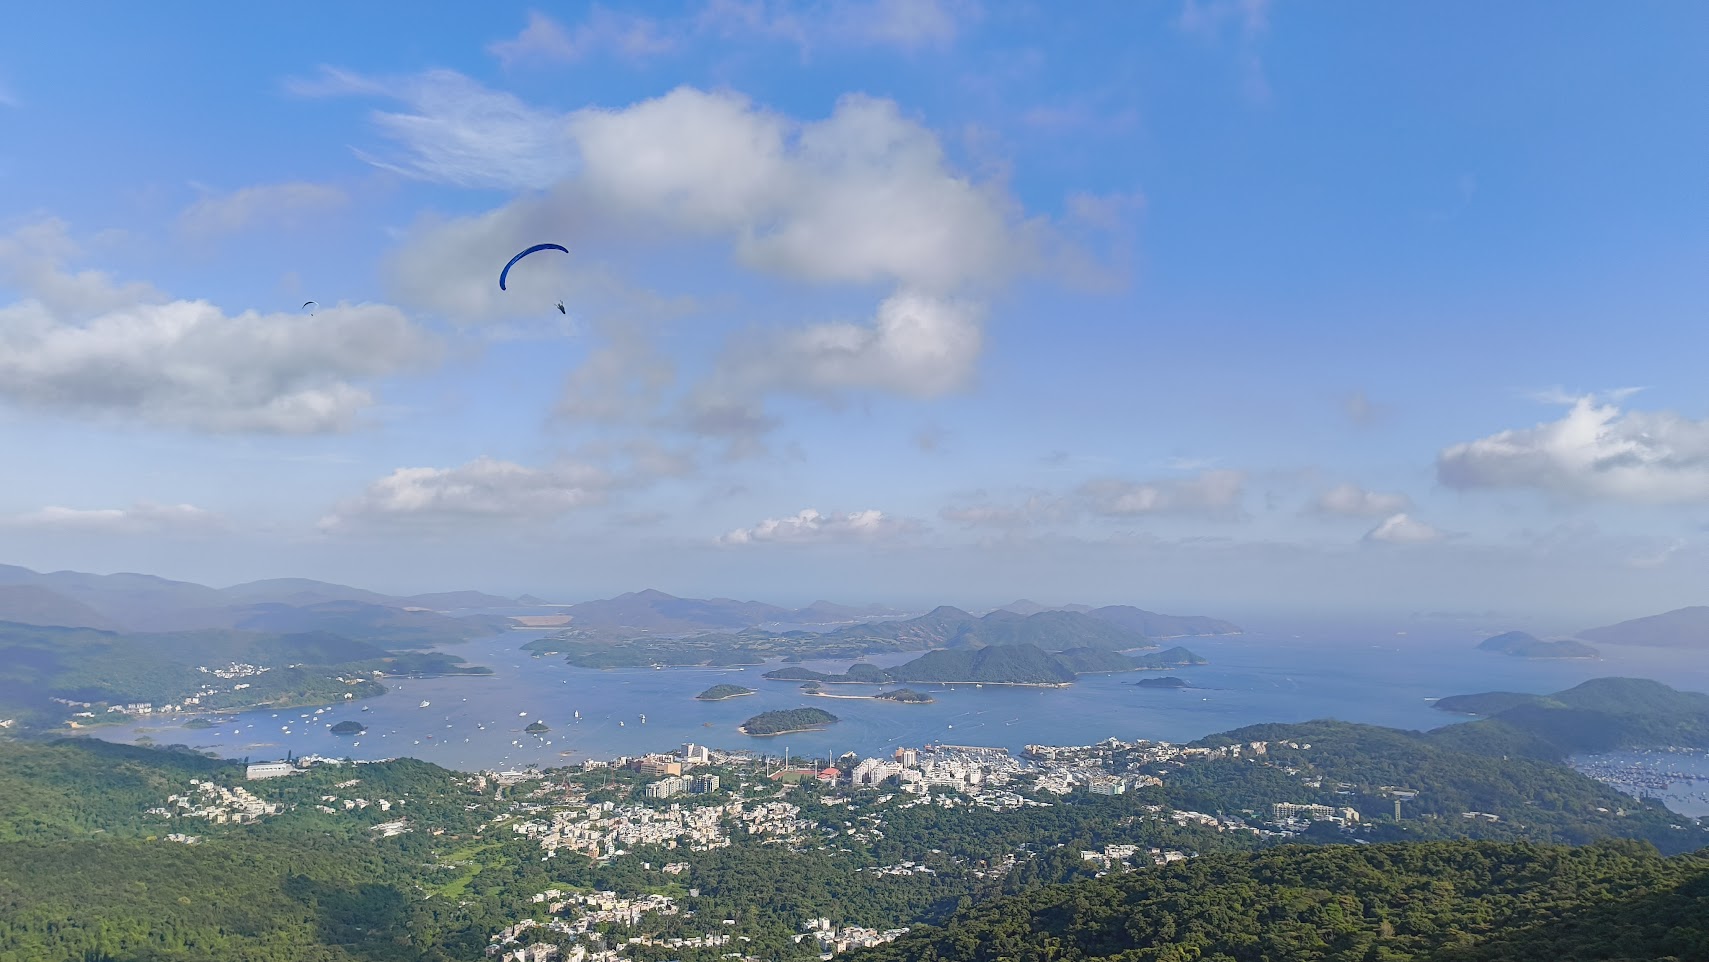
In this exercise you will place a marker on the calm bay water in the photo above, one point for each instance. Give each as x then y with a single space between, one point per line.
476 722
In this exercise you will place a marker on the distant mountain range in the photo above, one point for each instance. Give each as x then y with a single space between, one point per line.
1522 645
1009 664
1148 623
1680 628
138 602
655 611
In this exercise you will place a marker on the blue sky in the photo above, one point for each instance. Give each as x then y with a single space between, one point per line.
1230 304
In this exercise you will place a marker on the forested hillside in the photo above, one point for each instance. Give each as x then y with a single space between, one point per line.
1429 902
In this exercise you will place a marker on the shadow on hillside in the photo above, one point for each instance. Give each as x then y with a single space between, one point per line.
368 920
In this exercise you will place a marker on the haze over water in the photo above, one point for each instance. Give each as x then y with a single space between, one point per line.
1375 678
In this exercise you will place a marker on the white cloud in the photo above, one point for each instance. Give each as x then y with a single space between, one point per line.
1402 529
811 527
289 205
1037 509
1216 493
143 517
1350 500
81 344
863 195
918 346
1595 451
626 35
484 490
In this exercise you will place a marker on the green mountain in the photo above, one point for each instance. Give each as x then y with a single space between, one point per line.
1437 902
950 627
1521 645
1176 657
859 673
39 664
1153 625
36 605
1602 714
1003 664
1680 628
1093 661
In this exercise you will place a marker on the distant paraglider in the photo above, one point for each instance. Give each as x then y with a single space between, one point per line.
504 275
311 304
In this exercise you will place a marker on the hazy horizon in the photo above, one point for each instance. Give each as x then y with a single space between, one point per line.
1207 306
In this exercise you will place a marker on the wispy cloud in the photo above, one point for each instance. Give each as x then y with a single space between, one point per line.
270 205
1403 529
482 490
626 35
143 517
1212 493
1248 21
1352 501
902 25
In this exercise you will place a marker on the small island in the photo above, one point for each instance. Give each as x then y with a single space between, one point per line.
1162 683
198 724
349 728
537 727
788 721
1519 644
906 696
722 692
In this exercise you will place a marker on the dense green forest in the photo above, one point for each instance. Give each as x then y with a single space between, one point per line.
1450 772
1445 902
788 720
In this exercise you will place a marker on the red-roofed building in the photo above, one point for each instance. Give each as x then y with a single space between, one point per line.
830 775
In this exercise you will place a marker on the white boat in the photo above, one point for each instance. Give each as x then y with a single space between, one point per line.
643 719
424 704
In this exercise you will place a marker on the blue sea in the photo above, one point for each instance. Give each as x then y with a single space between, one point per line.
1376 675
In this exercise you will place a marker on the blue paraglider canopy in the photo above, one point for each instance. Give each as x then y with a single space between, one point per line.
505 274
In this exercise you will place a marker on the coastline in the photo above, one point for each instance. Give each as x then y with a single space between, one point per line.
897 701
790 731
1005 684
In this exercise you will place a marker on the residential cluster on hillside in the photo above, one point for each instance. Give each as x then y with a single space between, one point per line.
217 804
